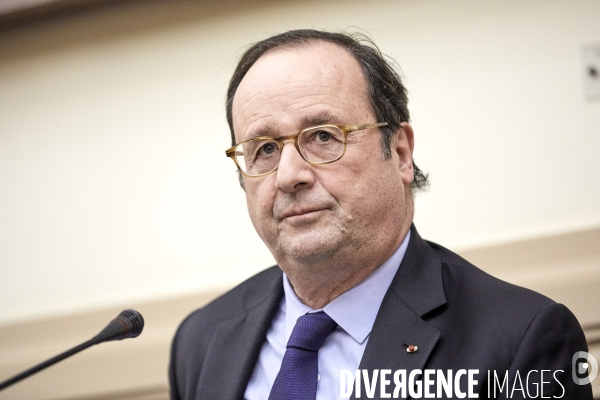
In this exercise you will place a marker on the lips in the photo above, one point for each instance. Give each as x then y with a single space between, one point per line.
300 211
304 203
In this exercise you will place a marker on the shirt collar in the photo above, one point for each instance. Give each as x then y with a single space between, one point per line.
355 310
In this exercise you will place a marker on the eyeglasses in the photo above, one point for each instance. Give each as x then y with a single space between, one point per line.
317 145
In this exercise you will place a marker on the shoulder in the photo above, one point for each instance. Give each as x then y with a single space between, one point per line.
490 311
492 306
464 280
196 334
232 304
433 280
510 328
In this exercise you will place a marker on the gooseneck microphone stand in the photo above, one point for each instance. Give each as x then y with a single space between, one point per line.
128 324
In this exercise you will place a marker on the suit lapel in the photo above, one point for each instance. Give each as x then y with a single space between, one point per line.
387 345
237 342
416 290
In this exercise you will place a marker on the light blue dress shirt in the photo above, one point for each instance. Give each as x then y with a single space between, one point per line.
354 311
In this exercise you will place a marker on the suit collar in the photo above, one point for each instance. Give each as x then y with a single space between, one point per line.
418 283
416 290
263 290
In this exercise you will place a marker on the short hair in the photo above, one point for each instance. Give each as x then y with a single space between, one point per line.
387 93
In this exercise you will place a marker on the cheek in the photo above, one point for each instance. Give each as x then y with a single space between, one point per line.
260 195
368 191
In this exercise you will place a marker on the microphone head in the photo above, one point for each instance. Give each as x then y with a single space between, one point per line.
134 322
128 324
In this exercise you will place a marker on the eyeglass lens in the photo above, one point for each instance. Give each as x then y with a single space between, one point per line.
320 144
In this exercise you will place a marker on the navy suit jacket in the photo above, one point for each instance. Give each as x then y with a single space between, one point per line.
458 316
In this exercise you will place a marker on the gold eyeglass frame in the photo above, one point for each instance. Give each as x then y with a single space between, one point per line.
346 130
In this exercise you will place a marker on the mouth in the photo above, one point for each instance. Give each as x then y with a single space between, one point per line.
302 214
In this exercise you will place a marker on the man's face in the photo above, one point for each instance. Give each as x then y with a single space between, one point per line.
314 213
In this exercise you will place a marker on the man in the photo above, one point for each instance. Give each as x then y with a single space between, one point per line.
321 137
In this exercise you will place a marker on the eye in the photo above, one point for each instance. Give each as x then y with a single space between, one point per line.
323 136
268 148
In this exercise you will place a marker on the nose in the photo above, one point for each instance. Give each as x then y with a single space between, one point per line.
294 172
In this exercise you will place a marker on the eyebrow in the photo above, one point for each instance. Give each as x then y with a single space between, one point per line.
321 118
257 133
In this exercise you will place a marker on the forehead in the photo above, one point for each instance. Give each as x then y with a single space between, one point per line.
287 88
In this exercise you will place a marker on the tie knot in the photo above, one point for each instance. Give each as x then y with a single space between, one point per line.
311 330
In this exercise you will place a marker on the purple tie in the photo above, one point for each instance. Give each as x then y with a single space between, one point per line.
297 378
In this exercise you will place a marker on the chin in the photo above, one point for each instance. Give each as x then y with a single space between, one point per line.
311 249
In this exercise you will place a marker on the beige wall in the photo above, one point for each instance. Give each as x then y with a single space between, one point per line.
114 187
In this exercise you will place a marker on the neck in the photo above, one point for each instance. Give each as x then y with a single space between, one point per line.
317 284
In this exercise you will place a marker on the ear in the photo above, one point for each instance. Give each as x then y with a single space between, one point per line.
403 145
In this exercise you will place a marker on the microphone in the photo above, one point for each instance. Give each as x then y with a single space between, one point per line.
128 324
